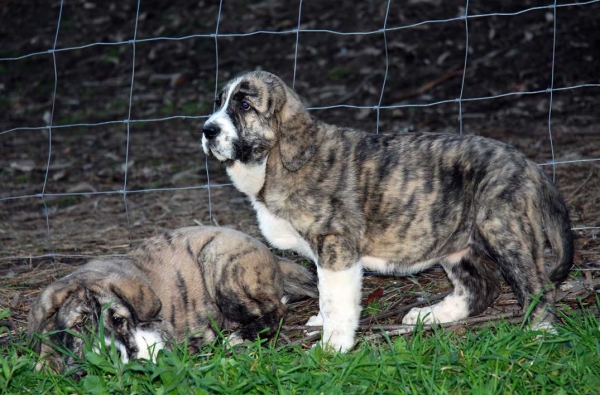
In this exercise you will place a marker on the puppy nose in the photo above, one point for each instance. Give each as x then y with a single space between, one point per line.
211 131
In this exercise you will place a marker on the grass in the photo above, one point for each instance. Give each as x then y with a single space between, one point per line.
502 359
23 178
375 307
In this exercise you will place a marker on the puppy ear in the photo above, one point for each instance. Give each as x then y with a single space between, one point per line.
45 307
296 131
137 293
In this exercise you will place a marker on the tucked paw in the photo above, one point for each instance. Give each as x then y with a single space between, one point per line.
545 327
315 320
234 339
452 308
415 314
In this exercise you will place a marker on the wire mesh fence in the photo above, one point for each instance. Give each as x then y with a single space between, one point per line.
299 34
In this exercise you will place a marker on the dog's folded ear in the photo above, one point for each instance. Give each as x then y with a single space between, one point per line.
296 132
133 291
137 294
45 307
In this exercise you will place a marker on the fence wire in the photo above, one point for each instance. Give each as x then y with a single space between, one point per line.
297 32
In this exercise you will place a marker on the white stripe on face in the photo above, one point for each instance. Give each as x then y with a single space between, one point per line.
222 145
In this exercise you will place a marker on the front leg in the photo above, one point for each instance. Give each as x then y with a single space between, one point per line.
340 280
339 303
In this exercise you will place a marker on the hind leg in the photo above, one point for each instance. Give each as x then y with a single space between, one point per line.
517 248
476 286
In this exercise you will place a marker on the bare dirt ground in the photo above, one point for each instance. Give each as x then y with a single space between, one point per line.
177 77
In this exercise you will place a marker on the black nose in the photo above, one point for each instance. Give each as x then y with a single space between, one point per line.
211 131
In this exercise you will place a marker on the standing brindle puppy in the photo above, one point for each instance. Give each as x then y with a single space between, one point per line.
396 203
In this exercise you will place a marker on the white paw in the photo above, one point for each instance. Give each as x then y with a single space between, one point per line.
337 341
452 308
233 340
545 327
416 313
315 320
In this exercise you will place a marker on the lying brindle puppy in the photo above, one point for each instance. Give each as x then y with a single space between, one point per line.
174 285
395 203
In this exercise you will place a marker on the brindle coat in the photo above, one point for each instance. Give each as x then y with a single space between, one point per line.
174 285
397 203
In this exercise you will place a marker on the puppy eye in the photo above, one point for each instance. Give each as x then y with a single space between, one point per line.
244 105
117 321
80 324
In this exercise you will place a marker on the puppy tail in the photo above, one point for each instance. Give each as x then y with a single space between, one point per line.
558 232
298 282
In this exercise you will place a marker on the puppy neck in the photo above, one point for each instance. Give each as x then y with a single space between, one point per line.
248 178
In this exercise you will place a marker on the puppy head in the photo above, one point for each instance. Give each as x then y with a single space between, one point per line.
256 113
71 308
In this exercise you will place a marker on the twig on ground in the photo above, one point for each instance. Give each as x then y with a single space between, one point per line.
396 330
285 338
307 328
368 322
467 321
572 195
306 338
584 252
392 311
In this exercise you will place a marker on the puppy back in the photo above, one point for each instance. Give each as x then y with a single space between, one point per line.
198 271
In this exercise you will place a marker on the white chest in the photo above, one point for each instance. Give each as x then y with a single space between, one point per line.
248 178
280 233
